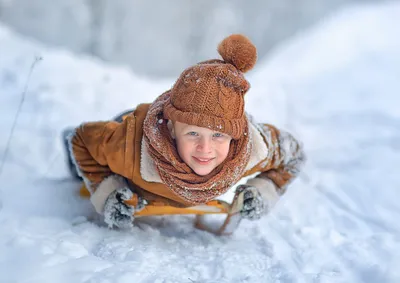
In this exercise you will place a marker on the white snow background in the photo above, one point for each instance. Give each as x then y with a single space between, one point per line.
336 87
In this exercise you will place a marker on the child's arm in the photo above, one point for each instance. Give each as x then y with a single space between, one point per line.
99 150
103 153
287 157
283 164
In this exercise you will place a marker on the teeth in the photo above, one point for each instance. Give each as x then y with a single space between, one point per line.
204 160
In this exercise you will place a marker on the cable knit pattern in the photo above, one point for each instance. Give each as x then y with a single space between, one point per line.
210 94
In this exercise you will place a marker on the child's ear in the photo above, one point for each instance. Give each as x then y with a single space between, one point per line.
171 128
173 132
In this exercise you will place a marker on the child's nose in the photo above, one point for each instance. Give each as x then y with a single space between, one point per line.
204 145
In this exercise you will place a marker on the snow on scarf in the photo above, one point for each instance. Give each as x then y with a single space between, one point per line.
177 175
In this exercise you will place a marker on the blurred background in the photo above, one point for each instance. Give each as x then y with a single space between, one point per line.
328 72
159 38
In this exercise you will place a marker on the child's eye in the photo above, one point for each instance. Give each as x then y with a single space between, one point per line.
192 134
218 135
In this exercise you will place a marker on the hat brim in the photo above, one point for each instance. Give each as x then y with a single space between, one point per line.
232 127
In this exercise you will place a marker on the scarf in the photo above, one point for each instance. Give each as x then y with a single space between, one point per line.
176 174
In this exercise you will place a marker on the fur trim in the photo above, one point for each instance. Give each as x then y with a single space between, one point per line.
69 138
104 189
148 169
267 189
259 151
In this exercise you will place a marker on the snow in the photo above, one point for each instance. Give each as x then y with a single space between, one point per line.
335 87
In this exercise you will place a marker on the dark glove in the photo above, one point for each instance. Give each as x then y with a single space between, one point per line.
117 212
253 203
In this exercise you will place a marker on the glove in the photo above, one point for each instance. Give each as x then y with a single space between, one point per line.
119 214
253 203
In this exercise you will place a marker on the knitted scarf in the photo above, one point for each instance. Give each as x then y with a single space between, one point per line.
176 174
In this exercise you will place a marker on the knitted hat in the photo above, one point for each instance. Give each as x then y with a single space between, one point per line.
210 94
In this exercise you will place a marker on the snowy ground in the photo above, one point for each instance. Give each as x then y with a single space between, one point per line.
336 87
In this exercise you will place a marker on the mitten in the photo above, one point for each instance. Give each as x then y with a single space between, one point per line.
119 214
253 203
108 199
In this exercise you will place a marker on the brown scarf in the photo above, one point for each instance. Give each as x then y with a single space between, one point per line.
176 174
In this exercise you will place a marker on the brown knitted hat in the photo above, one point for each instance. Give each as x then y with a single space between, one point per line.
210 94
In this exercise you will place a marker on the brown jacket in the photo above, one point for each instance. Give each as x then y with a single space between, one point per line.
102 149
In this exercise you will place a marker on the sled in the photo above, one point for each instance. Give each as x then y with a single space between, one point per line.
205 213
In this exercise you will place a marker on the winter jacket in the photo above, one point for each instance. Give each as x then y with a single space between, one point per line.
103 149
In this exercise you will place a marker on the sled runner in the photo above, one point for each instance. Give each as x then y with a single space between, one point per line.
204 213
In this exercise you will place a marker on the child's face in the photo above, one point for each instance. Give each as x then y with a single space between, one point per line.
200 148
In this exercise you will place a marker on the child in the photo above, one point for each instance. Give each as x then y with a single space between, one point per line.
192 144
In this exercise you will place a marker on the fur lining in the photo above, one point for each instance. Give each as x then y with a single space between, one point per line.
260 150
104 189
148 169
267 189
69 138
273 145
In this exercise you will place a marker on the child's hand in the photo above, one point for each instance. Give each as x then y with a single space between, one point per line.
117 212
253 204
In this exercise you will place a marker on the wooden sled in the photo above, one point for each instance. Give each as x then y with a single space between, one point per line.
204 220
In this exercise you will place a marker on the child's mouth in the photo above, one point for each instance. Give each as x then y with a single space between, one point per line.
202 161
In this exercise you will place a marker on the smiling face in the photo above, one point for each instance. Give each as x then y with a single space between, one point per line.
200 148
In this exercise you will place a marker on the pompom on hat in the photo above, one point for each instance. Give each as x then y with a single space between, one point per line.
210 94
